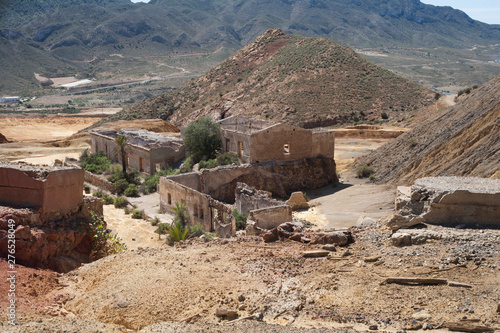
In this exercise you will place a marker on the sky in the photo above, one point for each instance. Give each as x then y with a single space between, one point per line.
487 11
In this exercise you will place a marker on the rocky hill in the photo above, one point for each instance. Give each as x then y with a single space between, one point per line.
463 140
87 32
303 81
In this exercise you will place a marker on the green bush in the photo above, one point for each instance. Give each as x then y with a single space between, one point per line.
155 221
121 202
177 231
222 159
121 185
364 171
137 214
108 199
195 230
162 229
151 182
241 220
103 242
97 193
202 139
132 191
187 165
95 163
126 210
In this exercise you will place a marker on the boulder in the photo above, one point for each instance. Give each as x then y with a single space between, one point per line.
400 239
340 238
297 201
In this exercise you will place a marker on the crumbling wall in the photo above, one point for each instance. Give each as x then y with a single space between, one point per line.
248 199
57 189
448 201
279 178
271 217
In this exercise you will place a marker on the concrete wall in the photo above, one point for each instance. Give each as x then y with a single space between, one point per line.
323 143
58 190
269 144
269 218
231 142
163 156
197 203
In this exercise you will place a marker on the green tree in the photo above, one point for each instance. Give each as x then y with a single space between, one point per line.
202 139
121 141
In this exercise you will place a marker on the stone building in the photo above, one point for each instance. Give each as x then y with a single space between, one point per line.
258 141
146 151
209 194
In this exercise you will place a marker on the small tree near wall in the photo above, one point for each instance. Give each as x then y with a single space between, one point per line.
202 139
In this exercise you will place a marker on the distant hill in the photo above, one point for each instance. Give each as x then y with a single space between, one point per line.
303 81
463 140
85 32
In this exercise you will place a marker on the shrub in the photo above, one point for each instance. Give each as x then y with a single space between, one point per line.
151 182
162 229
372 177
155 221
103 242
107 199
121 202
241 220
364 171
384 115
412 143
120 186
202 139
187 165
196 230
177 231
132 191
137 214
97 193
126 210
95 163
222 159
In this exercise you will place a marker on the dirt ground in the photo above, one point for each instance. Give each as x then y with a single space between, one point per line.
159 290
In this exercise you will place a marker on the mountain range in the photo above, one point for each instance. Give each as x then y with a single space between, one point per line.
71 36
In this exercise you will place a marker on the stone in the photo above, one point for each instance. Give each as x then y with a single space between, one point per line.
340 238
498 308
365 222
241 298
297 201
270 237
422 315
23 232
296 237
373 327
330 247
400 239
448 201
252 229
315 254
226 313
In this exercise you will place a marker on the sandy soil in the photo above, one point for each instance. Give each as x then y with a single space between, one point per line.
40 129
348 149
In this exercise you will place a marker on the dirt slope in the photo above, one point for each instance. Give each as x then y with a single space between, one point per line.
308 82
463 140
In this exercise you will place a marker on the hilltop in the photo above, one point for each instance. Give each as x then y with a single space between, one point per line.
103 37
463 140
303 81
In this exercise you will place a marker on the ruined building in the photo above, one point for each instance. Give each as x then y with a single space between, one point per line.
257 141
146 151
46 209
283 159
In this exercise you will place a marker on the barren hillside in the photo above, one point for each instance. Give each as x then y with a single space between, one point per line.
463 140
302 81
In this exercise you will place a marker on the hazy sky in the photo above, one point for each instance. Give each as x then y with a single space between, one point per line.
487 11
482 10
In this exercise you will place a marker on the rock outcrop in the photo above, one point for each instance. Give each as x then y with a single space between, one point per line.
448 201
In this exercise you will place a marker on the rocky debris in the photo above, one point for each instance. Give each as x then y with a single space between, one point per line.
284 231
448 201
297 201
330 247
